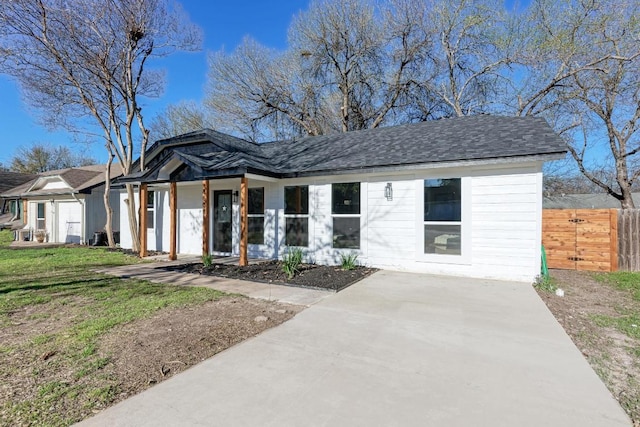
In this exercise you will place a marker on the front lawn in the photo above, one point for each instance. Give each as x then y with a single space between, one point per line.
69 337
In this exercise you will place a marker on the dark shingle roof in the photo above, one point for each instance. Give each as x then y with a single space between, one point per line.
473 138
9 180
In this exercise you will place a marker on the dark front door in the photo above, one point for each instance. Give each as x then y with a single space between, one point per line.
222 221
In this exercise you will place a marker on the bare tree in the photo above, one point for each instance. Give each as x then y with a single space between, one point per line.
473 43
176 119
82 59
583 75
42 157
349 66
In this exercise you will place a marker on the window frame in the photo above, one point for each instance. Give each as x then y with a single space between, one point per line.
42 218
335 216
464 223
151 210
255 215
298 215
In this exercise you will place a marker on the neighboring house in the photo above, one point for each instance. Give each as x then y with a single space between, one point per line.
458 196
11 209
67 203
585 201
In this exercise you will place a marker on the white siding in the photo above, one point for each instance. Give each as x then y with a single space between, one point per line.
391 223
189 219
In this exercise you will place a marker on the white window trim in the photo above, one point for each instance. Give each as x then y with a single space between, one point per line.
151 209
286 215
465 224
44 216
262 215
359 216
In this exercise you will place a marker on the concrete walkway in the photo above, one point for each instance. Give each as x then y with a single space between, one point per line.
392 350
154 272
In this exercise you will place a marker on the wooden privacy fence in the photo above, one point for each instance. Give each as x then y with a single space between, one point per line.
592 239
629 239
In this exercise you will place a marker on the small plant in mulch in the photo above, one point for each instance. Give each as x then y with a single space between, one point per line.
291 262
349 261
207 260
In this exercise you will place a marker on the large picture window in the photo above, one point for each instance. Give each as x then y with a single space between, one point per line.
345 210
442 216
296 213
150 209
256 216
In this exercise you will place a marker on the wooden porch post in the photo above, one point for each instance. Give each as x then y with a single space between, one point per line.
25 211
206 208
244 221
173 207
143 220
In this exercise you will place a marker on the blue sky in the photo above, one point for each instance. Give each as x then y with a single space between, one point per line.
224 25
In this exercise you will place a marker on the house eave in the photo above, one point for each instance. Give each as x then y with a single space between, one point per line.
499 161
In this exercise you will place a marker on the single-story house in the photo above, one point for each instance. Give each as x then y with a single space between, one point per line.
67 204
458 196
10 209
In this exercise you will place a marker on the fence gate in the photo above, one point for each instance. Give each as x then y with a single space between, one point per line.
581 239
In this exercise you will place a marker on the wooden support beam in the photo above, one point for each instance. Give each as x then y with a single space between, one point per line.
25 211
173 208
244 220
206 208
143 220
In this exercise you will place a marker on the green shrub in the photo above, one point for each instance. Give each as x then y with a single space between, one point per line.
349 261
207 260
291 261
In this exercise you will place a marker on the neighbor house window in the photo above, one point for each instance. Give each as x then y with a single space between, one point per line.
296 214
256 216
442 216
40 217
345 210
150 209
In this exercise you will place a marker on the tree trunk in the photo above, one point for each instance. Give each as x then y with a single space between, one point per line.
627 200
108 227
133 219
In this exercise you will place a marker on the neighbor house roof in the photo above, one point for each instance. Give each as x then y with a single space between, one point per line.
585 201
80 180
476 138
9 180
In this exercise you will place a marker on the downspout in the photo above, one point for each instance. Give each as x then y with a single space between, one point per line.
84 219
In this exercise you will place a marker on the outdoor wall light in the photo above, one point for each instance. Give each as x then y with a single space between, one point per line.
235 196
388 191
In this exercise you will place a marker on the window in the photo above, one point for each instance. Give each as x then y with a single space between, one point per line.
442 216
345 209
296 213
40 218
150 209
256 216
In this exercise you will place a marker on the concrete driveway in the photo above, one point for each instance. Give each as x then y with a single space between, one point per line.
396 349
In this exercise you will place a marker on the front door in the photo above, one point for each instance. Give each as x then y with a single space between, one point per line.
222 221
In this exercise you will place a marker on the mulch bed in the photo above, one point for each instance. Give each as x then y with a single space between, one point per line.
314 276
